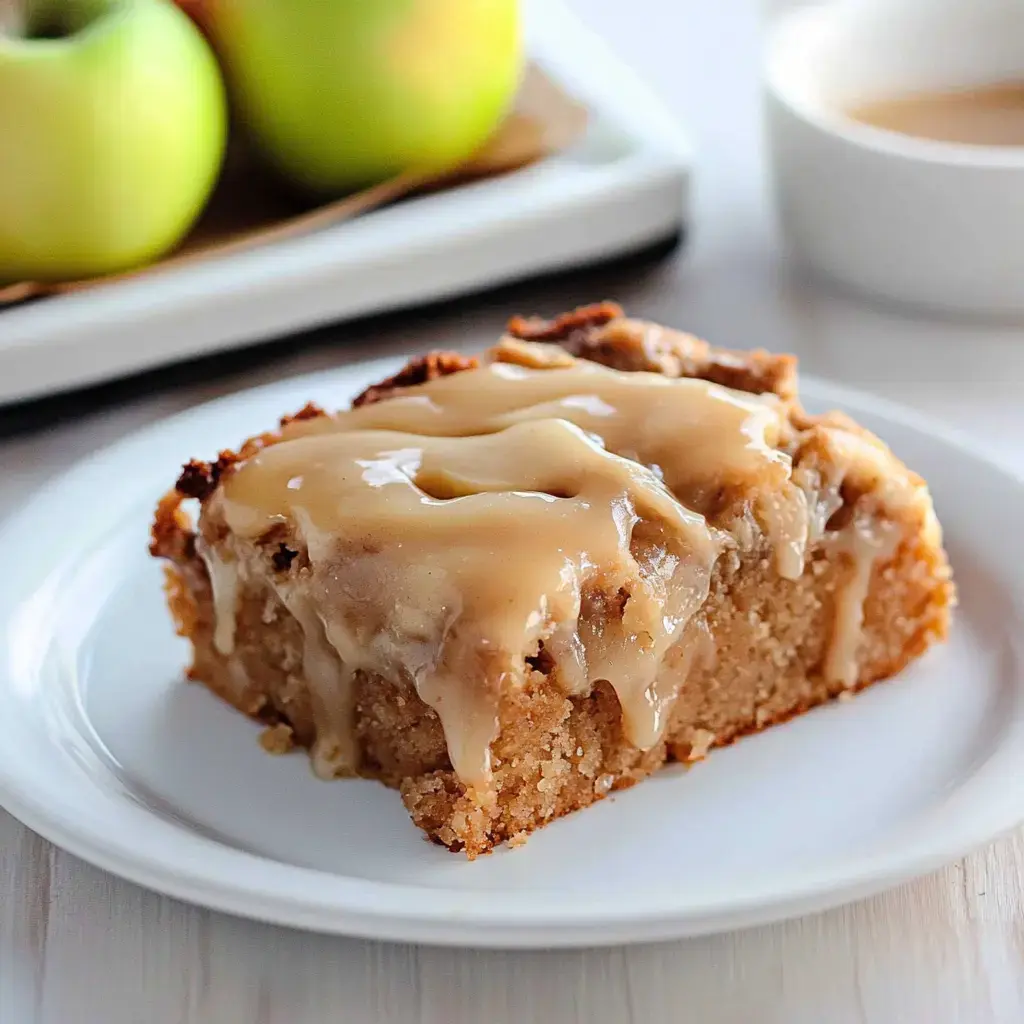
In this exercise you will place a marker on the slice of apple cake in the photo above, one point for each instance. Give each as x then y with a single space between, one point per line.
508 586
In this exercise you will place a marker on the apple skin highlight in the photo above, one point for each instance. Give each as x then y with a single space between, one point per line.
113 133
344 94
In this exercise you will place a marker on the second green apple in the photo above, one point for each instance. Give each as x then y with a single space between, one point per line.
344 93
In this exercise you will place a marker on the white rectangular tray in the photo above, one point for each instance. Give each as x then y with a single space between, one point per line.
624 186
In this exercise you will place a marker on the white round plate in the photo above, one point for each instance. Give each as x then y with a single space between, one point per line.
108 753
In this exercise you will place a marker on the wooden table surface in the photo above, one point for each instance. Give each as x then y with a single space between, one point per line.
77 945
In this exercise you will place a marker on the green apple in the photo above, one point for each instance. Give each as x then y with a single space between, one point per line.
113 121
344 93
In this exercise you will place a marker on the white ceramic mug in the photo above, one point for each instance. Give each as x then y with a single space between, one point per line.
930 223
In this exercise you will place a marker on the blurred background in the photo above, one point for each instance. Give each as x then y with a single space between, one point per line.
731 281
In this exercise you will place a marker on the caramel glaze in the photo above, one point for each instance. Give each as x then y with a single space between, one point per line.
456 529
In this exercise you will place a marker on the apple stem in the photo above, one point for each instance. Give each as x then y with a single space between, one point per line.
49 19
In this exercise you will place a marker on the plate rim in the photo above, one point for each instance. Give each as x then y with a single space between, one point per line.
402 912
